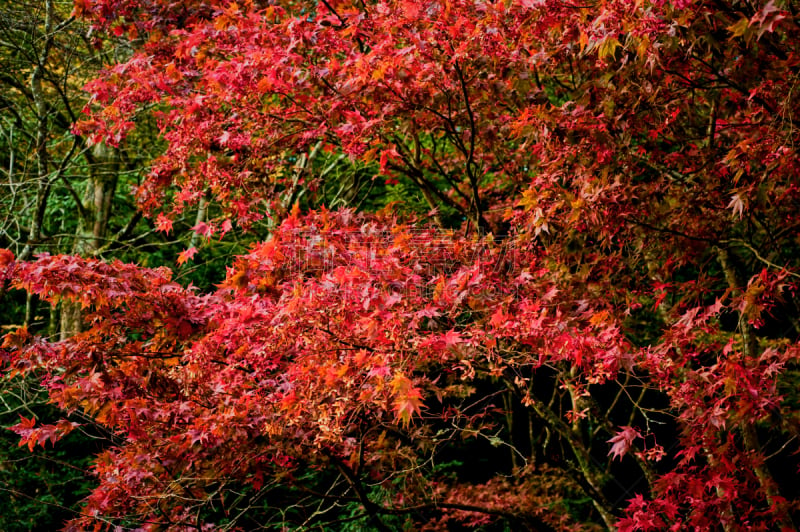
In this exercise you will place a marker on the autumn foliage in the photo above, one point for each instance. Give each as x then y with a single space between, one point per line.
595 326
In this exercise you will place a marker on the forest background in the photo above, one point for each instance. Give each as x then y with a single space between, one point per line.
384 265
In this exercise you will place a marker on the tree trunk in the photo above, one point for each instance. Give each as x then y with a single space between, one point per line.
93 226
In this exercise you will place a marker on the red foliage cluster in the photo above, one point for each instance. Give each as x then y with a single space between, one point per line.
636 323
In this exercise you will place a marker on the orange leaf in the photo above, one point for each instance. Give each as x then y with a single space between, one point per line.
187 255
408 399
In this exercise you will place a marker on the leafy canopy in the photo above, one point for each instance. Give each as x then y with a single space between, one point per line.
607 312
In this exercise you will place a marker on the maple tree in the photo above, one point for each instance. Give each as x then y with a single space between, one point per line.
57 194
601 301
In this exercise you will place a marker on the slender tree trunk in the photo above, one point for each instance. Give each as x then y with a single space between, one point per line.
43 183
202 206
93 226
751 353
